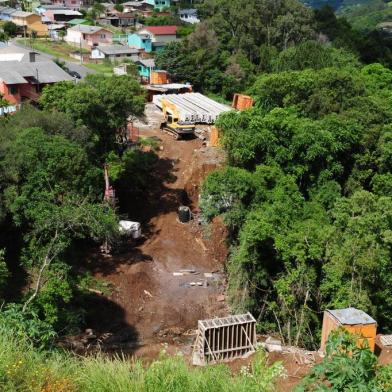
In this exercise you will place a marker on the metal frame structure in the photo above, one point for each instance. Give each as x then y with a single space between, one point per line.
193 107
224 339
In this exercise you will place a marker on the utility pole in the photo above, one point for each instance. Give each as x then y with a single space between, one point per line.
80 47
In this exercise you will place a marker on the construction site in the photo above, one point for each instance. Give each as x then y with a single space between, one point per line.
168 290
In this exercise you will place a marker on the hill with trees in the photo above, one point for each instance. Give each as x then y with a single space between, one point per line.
305 194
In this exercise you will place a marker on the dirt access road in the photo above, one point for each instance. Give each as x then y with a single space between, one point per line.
149 305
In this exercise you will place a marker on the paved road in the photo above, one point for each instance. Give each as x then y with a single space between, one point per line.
71 65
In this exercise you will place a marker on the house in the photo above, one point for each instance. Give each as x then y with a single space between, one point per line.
119 19
140 7
140 42
88 36
31 22
56 31
61 15
114 52
73 4
22 77
189 15
159 4
152 38
6 12
145 67
125 19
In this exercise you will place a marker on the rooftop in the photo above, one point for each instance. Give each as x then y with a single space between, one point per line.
149 63
15 72
76 21
188 11
161 30
350 316
7 10
117 49
66 12
53 7
16 53
22 14
87 29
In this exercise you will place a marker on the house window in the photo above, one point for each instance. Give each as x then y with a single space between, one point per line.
103 36
13 89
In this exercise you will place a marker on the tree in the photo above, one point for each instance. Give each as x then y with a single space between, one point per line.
54 198
10 28
306 194
101 103
4 37
119 7
95 12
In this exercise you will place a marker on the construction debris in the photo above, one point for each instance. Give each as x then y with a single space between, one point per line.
148 293
193 107
188 271
273 345
302 357
185 272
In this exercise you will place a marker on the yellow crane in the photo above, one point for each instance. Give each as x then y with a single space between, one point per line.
172 123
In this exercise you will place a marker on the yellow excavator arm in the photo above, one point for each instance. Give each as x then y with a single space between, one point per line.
172 124
166 106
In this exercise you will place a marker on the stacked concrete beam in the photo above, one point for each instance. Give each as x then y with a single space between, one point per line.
194 107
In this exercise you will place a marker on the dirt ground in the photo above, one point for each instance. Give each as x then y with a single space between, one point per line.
148 304
150 309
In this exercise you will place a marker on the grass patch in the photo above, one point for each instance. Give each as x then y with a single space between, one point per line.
54 48
100 67
62 50
23 368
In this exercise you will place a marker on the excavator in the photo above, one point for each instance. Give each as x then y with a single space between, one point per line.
172 124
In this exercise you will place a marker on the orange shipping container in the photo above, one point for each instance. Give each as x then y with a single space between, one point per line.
158 77
354 321
242 102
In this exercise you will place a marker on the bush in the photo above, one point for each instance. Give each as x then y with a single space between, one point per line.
347 367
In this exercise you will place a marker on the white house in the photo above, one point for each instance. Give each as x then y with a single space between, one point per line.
114 52
189 15
88 36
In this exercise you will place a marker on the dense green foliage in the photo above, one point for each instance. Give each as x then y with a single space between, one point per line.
347 367
307 196
102 104
51 191
235 43
368 15
23 368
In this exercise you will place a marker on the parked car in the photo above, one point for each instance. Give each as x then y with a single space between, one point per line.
75 74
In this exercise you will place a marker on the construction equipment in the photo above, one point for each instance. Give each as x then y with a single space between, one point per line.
109 194
172 123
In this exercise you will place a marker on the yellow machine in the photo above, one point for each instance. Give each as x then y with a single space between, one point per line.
172 124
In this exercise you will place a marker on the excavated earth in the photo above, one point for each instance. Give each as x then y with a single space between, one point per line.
148 305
